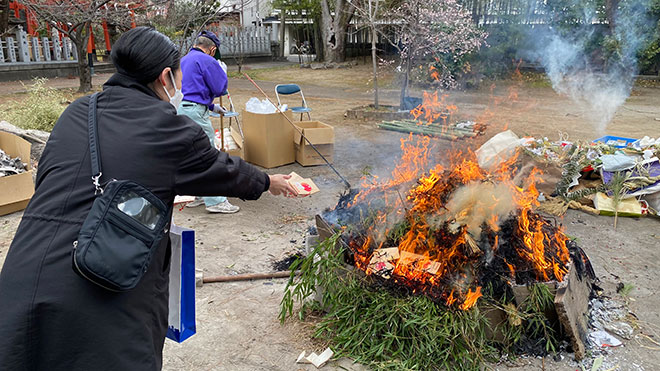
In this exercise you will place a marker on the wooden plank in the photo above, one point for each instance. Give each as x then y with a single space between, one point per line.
324 229
496 319
572 304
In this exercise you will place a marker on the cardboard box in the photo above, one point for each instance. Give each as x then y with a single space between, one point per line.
322 136
15 190
268 139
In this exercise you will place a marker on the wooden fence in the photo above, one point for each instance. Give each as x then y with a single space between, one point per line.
240 41
24 49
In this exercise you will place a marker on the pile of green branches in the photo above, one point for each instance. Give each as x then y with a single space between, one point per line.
386 330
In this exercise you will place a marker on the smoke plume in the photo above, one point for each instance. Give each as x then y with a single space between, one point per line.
478 203
601 79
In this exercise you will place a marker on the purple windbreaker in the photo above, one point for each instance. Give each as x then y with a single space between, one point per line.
203 78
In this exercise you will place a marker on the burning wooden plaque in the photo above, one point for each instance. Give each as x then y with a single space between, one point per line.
381 262
418 262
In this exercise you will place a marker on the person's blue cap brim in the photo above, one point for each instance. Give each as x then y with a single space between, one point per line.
215 40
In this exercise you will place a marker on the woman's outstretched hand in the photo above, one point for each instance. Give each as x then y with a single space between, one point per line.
279 185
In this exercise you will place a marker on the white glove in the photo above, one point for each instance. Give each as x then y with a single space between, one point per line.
219 109
222 65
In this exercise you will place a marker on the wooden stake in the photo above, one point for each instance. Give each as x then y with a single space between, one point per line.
248 277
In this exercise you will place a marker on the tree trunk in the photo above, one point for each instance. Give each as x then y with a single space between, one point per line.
475 11
318 40
84 72
4 16
80 39
404 86
241 52
334 44
334 29
374 62
611 7
282 32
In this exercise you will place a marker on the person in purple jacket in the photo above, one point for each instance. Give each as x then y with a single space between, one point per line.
203 81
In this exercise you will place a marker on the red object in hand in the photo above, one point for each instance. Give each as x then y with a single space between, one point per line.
306 187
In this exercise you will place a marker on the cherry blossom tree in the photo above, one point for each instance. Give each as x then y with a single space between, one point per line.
435 30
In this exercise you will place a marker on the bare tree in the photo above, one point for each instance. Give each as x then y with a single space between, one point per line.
186 18
369 11
190 17
334 26
75 18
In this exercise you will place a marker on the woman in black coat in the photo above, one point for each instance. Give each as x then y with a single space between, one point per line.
50 317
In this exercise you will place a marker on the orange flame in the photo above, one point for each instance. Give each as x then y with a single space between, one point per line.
471 298
439 247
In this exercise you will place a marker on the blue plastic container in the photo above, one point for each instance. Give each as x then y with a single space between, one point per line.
618 142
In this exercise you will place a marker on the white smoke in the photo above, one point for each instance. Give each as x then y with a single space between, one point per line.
600 88
475 204
599 93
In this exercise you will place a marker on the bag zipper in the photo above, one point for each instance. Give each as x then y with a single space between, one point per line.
75 264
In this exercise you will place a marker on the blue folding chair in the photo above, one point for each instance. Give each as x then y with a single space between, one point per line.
230 114
288 89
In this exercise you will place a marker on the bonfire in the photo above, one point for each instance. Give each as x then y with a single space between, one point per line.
453 230
461 235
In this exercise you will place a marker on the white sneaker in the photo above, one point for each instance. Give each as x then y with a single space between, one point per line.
223 208
198 202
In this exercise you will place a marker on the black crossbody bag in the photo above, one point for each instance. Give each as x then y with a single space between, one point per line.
123 227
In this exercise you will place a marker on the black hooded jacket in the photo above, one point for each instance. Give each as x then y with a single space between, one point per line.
51 318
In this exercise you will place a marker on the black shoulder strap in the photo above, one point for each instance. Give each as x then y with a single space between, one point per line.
94 152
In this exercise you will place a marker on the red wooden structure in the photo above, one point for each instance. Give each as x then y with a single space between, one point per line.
32 22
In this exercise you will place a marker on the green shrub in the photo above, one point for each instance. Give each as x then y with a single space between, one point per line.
39 110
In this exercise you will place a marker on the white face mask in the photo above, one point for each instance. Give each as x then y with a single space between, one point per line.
175 99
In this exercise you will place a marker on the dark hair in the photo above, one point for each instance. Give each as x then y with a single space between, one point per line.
142 53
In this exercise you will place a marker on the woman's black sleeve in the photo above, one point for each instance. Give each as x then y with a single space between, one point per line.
205 171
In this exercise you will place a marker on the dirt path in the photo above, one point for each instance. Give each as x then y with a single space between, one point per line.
237 326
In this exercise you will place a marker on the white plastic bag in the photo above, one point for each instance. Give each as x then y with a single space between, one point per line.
255 105
617 162
230 144
497 149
